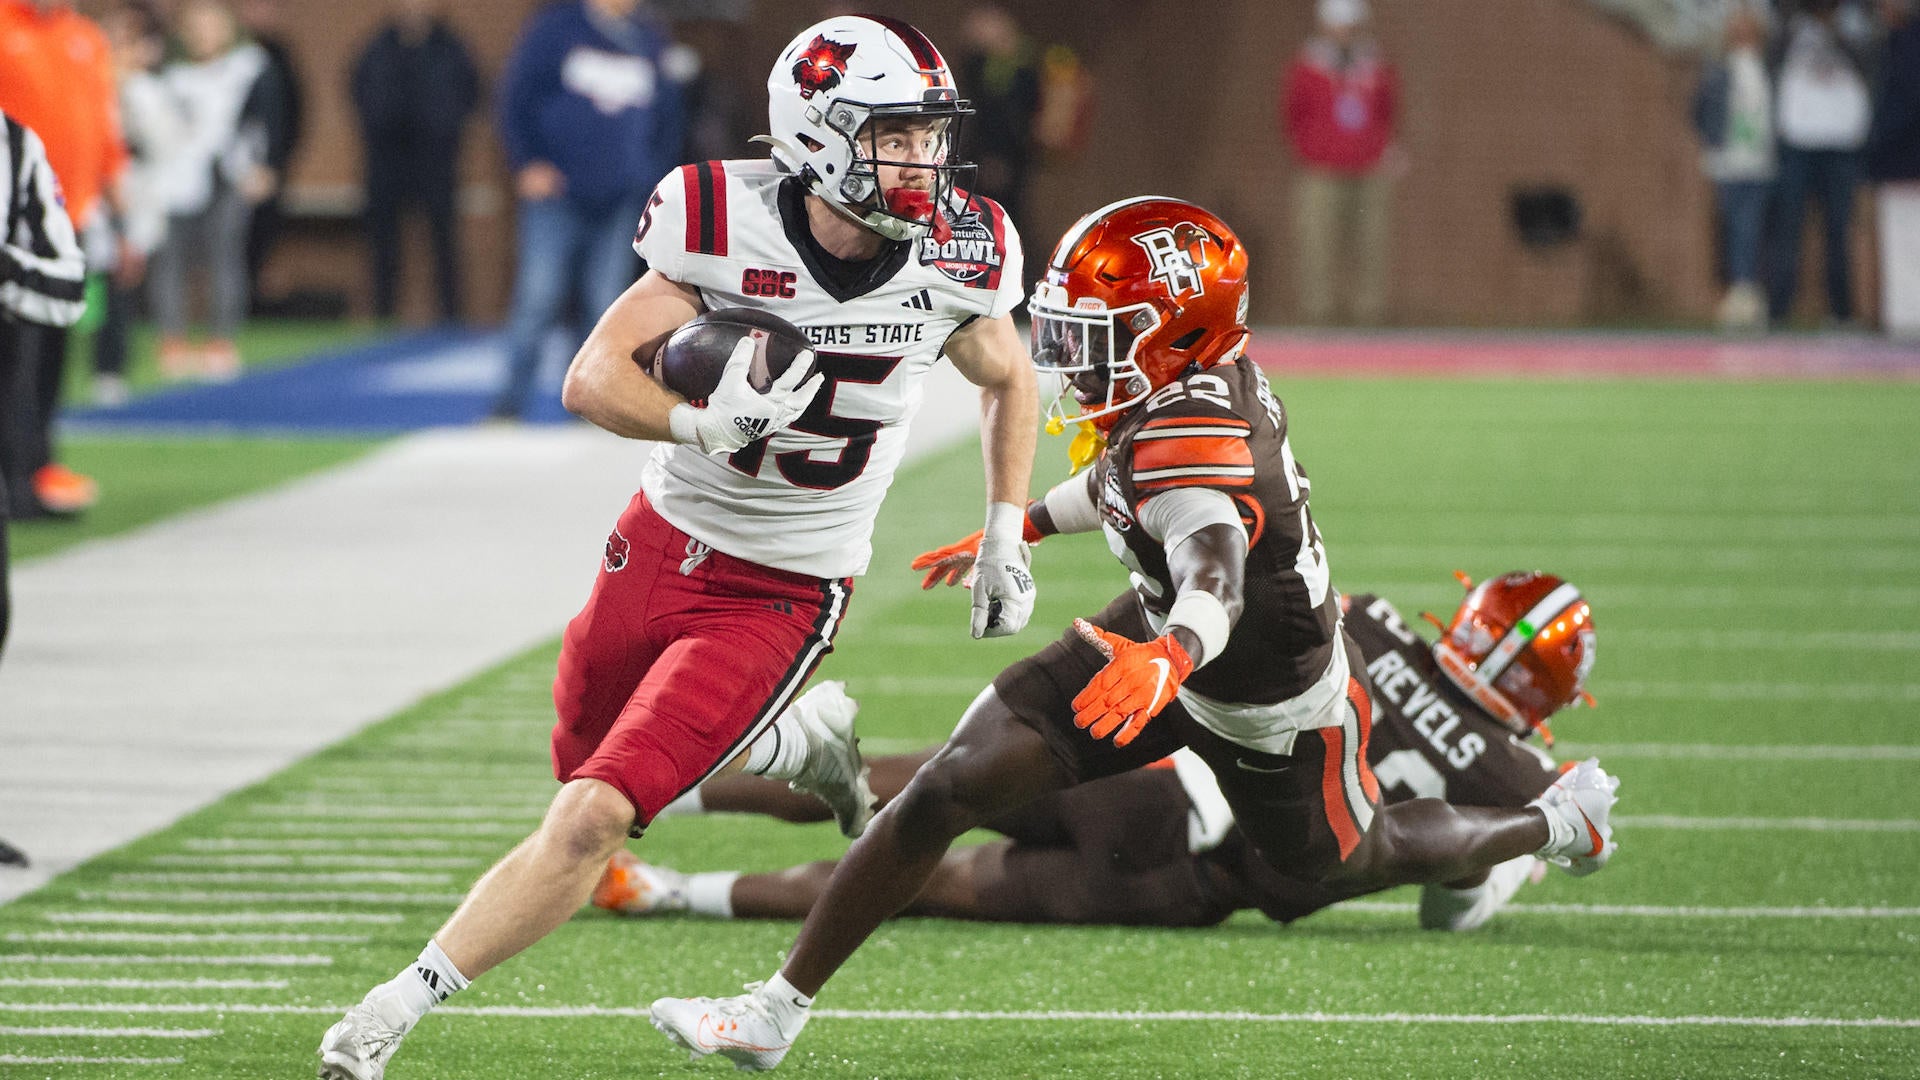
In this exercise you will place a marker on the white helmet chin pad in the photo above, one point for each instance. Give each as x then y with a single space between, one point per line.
832 80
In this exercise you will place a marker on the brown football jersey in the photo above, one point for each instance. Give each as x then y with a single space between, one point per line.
1429 739
1223 429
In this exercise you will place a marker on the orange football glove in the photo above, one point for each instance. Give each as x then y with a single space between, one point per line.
1139 680
955 561
951 562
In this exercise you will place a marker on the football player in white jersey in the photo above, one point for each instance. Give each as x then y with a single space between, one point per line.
725 580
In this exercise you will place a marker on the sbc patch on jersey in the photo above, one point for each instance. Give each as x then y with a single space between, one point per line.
972 255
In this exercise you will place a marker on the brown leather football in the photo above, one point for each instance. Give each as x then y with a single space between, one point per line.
691 360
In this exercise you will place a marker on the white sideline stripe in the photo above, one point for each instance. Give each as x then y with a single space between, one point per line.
1721 752
357 812
113 1033
220 919
170 960
543 1012
1761 824
415 828
138 936
265 843
263 877
1657 911
74 1059
130 896
343 859
153 984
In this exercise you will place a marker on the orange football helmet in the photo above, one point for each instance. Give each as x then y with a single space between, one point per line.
1521 646
1135 294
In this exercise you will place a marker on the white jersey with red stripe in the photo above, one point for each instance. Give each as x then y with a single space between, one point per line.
804 498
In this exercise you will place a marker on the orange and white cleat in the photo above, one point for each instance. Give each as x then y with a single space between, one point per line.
741 1029
632 887
63 491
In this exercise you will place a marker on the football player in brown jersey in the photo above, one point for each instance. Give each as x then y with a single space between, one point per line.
1158 846
1229 643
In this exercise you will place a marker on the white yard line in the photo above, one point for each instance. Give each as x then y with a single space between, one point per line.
76 1059
1767 824
361 812
169 960
135 896
112 1033
628 1012
137 937
280 877
151 984
1658 911
298 861
224 918
363 843
1735 752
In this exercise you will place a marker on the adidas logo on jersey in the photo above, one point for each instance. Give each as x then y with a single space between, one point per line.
920 301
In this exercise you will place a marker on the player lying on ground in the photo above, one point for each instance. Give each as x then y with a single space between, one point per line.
726 579
1157 846
1230 644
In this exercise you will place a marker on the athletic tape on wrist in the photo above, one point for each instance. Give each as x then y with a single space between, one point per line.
1005 523
1205 617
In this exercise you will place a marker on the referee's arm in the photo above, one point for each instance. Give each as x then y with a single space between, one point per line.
42 271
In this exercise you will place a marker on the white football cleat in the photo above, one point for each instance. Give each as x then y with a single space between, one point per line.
1458 910
359 1046
632 887
740 1029
834 771
1577 807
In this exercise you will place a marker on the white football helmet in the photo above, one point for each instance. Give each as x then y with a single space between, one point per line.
834 77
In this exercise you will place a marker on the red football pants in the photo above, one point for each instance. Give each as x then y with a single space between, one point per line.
681 658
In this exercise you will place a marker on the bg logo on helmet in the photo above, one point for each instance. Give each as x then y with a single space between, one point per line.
1178 255
822 66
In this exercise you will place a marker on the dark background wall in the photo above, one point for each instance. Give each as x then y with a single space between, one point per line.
1499 94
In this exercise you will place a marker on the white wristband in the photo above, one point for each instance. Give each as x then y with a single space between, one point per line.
1006 524
683 421
1071 507
1205 617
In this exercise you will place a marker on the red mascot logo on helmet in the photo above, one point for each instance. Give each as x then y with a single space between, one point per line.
822 66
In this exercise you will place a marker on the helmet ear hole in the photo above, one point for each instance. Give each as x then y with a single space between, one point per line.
1189 339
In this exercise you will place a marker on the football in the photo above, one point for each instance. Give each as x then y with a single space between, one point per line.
693 357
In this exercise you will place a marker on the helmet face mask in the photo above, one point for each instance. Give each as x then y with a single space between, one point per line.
1092 350
831 141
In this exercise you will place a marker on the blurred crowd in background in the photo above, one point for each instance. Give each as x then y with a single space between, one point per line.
171 125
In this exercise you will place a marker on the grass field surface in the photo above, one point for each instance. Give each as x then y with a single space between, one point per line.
1752 553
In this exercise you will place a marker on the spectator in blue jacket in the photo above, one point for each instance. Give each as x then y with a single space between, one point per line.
591 116
1893 163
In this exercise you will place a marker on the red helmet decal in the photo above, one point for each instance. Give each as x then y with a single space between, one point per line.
822 66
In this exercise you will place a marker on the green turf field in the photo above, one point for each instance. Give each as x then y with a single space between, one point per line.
144 479
1752 552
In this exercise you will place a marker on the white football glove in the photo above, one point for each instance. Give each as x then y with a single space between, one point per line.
736 413
1002 583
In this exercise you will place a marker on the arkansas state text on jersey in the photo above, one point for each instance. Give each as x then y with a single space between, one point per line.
737 231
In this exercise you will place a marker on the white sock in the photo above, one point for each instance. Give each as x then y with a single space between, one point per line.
428 981
780 751
1560 832
711 894
788 1006
686 804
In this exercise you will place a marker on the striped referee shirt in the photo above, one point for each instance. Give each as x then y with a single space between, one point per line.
42 271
